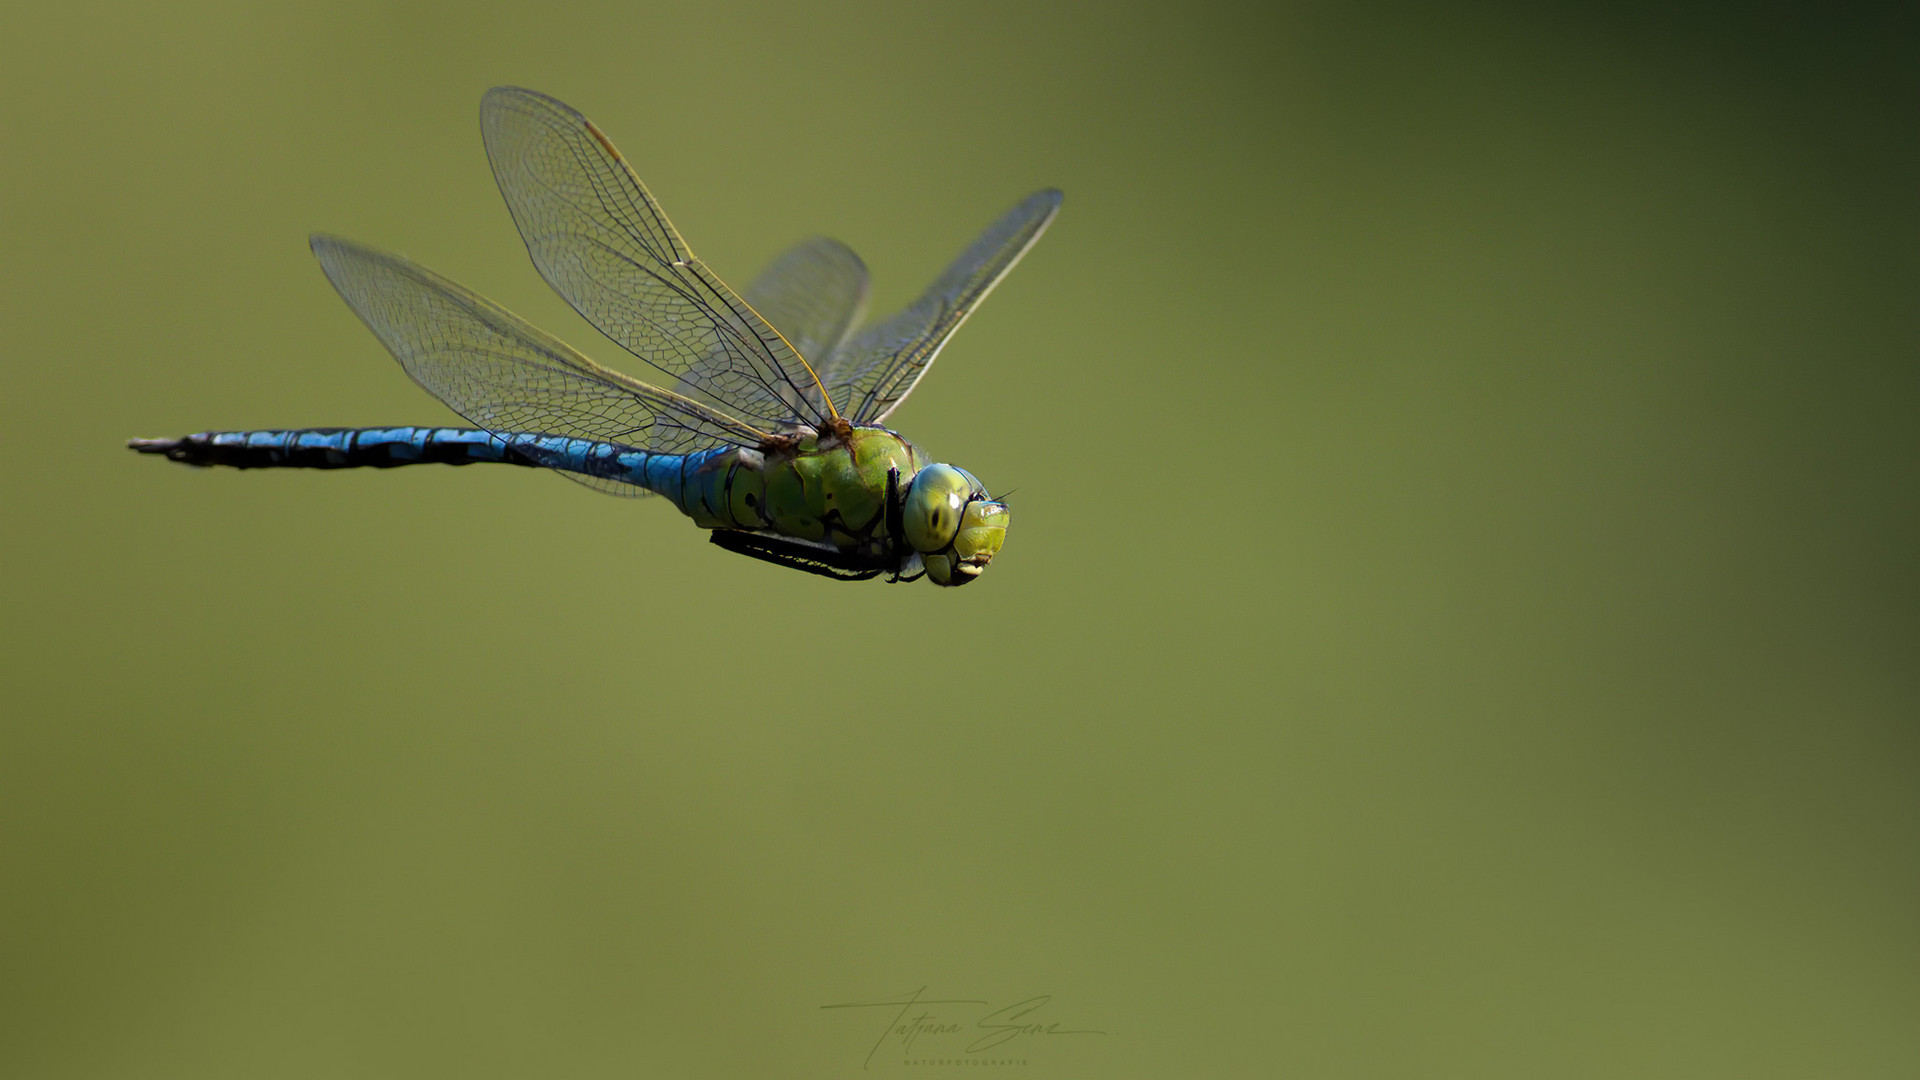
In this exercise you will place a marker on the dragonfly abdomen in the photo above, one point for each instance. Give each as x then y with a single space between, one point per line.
718 488
387 448
338 448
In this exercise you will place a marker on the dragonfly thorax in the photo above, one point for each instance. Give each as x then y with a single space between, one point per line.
862 490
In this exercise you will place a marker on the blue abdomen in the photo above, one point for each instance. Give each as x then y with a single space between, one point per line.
679 477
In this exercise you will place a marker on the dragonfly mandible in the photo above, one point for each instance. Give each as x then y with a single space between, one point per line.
768 427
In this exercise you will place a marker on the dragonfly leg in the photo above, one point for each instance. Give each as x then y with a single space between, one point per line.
844 566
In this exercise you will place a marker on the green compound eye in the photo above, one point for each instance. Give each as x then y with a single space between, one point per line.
935 500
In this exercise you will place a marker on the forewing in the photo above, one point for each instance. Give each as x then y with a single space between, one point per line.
875 369
603 243
813 294
505 375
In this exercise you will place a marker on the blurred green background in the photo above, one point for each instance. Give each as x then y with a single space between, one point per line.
1461 617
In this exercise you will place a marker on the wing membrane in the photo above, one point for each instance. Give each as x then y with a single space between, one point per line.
813 294
599 238
504 374
875 369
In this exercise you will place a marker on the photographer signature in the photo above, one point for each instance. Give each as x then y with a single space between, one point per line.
987 1030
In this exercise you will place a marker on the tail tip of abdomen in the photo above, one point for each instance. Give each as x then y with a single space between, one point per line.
174 449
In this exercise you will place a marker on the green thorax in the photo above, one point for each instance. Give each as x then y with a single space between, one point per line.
815 488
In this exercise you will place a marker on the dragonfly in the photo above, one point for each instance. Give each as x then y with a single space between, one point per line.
767 426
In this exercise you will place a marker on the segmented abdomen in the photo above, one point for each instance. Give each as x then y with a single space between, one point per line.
699 484
338 448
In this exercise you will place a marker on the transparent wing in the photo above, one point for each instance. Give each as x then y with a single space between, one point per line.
874 370
603 243
813 294
505 375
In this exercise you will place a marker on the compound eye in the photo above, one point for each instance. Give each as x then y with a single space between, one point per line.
975 489
935 500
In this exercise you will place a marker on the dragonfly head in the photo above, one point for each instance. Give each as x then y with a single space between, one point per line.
951 522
